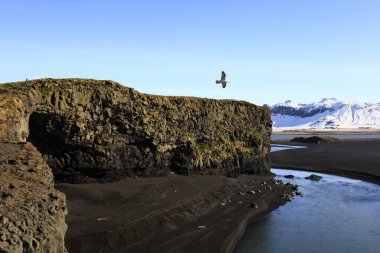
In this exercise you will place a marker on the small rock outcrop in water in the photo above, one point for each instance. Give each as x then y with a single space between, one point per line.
88 130
314 177
314 139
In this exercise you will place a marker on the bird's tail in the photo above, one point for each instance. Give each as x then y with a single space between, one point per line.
217 81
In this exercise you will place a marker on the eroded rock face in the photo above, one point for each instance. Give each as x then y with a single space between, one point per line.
98 130
32 212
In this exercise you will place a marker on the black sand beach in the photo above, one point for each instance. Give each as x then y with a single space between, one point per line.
167 214
351 158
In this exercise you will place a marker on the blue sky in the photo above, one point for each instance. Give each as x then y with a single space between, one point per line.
272 50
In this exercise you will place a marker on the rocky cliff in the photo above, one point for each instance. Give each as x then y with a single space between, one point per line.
32 212
99 129
89 130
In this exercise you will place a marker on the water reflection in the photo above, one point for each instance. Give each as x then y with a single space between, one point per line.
278 147
336 214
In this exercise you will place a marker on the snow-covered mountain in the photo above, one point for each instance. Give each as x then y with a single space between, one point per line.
328 114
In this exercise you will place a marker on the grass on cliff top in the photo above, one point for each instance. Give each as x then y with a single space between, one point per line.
70 82
48 85
59 83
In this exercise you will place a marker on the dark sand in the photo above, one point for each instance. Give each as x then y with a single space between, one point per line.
351 158
166 214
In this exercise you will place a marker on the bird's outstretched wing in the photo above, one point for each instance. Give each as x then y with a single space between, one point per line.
223 76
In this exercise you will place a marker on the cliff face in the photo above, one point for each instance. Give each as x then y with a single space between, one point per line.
88 129
32 212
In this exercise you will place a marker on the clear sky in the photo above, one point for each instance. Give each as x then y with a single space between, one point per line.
272 50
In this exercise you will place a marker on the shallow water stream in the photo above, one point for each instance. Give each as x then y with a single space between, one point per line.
336 214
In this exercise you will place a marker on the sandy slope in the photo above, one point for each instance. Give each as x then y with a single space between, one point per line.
166 214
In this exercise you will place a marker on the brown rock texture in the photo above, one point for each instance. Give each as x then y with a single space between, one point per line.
32 212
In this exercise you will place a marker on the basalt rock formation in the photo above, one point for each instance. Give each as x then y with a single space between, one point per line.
89 130
98 129
32 212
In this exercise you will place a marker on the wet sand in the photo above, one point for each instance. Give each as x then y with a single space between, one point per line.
166 214
350 158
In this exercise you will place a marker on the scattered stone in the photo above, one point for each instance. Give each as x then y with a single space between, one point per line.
240 202
254 205
314 177
288 176
202 226
287 197
241 193
251 192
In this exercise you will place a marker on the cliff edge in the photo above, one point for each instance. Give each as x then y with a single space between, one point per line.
91 131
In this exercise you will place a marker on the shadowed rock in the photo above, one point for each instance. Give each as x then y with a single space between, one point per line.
314 177
314 139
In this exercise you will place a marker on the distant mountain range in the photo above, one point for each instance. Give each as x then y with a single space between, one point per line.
328 114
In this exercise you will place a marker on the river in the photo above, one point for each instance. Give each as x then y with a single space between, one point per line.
336 214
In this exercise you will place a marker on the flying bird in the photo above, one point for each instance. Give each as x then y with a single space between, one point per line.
223 80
